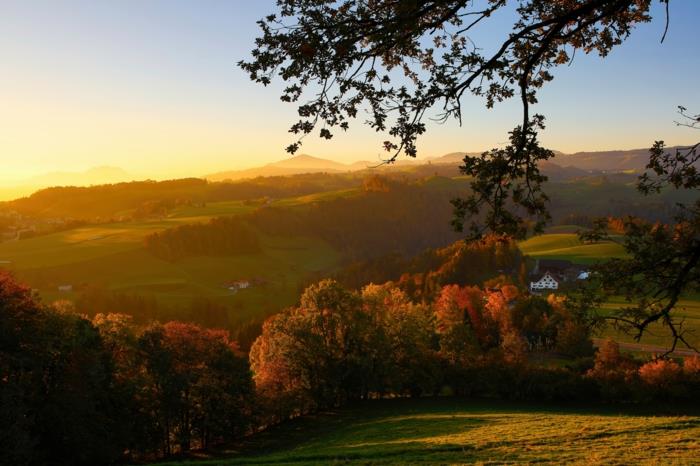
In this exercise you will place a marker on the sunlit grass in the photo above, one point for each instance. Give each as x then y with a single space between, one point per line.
568 246
453 431
316 197
687 310
113 256
559 244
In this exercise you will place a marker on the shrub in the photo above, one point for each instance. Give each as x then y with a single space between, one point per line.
662 378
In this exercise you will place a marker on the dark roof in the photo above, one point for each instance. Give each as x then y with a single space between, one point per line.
555 264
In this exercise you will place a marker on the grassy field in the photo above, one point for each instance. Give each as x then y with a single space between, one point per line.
687 310
113 256
454 431
563 243
567 246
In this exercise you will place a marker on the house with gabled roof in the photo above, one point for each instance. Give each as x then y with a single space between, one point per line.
546 283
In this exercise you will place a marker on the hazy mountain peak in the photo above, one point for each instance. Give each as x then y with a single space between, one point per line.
96 175
104 174
107 170
611 160
310 162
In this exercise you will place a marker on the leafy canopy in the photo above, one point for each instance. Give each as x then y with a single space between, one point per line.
401 61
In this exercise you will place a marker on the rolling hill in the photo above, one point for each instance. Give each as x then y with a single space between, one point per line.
291 166
459 431
562 166
607 161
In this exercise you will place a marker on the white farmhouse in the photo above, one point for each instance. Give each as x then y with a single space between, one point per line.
547 282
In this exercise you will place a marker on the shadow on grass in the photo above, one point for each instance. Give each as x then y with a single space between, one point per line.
421 431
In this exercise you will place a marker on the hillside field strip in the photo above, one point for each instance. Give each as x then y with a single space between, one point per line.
113 256
457 431
567 246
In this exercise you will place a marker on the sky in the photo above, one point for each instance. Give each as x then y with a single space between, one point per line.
152 86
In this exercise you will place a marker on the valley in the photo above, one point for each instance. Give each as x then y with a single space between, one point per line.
103 257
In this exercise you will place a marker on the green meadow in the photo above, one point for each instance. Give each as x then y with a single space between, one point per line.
563 243
113 256
687 310
568 246
457 431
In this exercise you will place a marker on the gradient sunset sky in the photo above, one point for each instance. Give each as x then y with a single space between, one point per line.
152 87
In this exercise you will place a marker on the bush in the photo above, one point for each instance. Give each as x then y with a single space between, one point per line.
662 379
616 374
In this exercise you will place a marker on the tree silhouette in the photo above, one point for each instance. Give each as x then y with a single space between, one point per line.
664 259
398 60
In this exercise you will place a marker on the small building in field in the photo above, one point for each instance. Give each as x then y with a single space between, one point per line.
546 283
237 285
65 288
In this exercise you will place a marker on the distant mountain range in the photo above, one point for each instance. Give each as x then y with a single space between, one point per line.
561 166
95 175
607 161
293 166
92 176
308 164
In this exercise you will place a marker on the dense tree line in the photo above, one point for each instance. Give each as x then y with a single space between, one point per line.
141 199
80 391
76 390
105 202
338 345
219 236
405 217
377 220
144 310
422 275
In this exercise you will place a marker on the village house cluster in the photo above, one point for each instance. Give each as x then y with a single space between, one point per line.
551 274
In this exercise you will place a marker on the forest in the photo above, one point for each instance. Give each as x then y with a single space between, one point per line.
220 236
101 389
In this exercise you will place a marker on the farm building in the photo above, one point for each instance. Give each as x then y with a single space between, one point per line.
547 282
552 265
238 285
561 270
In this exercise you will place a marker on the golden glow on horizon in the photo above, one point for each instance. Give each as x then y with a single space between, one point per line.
161 96
42 133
